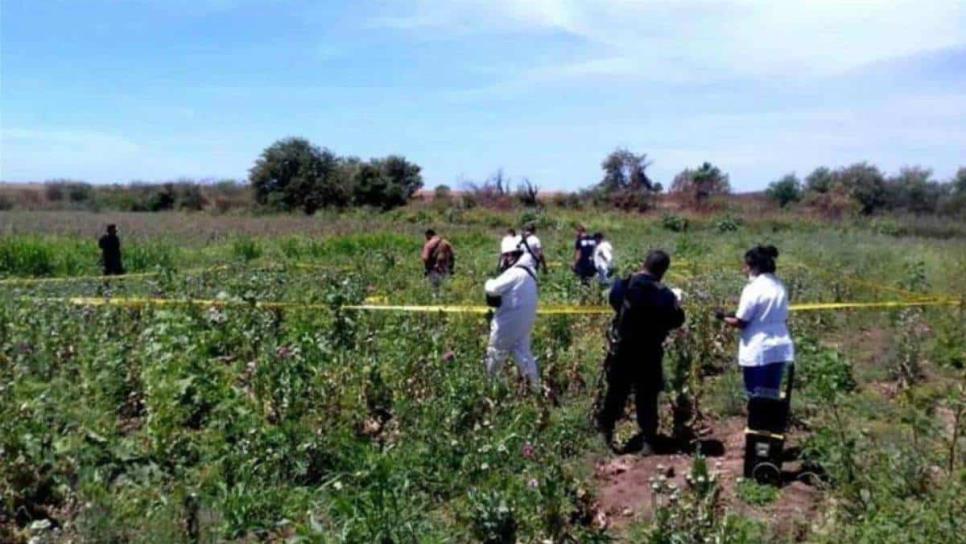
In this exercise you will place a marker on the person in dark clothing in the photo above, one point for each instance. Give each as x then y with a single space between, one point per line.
584 246
110 246
646 312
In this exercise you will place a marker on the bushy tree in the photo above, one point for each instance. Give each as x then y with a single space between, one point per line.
959 182
294 174
625 184
384 183
819 181
786 190
624 170
865 184
701 184
862 183
914 190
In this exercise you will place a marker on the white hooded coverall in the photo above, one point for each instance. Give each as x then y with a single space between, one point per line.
513 322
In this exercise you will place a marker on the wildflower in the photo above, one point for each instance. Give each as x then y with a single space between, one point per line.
449 356
533 483
337 485
527 451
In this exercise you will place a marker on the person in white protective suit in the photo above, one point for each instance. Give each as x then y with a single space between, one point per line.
604 259
514 296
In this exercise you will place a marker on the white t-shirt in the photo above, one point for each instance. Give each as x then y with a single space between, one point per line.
527 259
604 256
765 338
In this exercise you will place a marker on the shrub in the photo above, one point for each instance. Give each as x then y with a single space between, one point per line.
785 191
527 194
701 184
674 223
727 224
385 183
246 249
294 174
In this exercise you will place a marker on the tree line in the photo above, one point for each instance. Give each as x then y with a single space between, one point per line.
293 174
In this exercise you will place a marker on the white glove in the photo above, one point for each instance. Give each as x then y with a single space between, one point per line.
679 294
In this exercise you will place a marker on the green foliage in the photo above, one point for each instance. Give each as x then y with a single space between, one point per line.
294 174
674 223
728 224
247 249
785 191
693 514
823 374
244 423
626 171
385 183
701 184
493 518
755 494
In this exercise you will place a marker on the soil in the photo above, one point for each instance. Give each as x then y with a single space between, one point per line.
624 487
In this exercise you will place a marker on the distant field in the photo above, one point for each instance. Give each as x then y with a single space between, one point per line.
322 424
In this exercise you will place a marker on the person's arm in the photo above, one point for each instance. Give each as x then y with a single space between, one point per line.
496 287
747 307
428 249
674 317
537 250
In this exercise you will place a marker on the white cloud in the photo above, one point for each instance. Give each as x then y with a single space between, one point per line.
709 38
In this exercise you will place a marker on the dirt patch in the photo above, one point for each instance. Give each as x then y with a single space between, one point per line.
624 483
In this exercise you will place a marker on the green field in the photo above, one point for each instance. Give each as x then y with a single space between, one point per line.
233 422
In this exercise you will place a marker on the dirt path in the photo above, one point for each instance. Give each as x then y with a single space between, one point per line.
624 489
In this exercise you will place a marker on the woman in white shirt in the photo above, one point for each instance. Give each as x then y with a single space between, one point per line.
765 347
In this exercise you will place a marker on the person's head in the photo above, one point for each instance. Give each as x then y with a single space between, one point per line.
598 237
112 229
581 230
511 232
529 228
430 233
760 260
657 263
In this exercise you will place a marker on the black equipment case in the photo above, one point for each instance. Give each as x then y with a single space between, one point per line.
765 435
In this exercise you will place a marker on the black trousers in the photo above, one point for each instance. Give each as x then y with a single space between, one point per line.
643 376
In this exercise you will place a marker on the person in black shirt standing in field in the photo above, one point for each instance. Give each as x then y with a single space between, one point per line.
646 312
110 246
584 246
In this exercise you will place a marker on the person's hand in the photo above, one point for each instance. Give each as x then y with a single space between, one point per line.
719 314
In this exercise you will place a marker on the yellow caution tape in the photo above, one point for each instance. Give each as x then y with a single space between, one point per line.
465 309
69 279
805 307
855 281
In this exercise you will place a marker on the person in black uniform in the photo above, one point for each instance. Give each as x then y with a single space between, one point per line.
584 246
110 246
646 312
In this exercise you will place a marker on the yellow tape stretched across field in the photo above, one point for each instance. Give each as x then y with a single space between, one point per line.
135 302
72 279
839 277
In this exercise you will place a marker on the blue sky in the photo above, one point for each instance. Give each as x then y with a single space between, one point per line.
120 90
